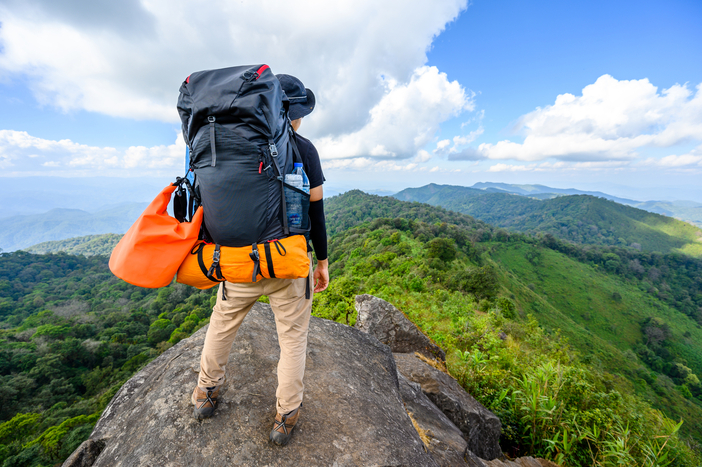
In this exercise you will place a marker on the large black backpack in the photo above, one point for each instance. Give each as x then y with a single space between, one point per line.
236 126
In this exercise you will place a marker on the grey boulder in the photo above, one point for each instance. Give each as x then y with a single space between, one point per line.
444 441
352 413
390 326
481 428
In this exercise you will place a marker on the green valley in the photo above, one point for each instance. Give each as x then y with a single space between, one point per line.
577 218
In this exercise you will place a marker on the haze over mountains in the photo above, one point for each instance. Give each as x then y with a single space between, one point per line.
688 211
40 209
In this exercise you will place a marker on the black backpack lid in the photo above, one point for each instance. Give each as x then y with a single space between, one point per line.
248 94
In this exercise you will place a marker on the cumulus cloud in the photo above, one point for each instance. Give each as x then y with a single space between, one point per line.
21 153
611 120
129 58
406 118
689 160
467 154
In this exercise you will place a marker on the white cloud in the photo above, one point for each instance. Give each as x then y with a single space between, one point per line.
129 60
406 118
691 159
509 168
23 154
611 120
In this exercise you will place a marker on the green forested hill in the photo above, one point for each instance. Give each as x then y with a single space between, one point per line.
579 218
89 245
70 335
631 318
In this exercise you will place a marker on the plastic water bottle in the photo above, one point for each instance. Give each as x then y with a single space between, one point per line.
293 200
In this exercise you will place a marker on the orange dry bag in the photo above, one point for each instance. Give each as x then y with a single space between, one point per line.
153 248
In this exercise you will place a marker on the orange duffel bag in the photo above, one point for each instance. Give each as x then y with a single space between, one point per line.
153 248
209 264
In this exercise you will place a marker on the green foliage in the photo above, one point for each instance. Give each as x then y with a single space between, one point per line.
51 440
160 330
442 248
88 245
18 427
70 335
479 281
551 401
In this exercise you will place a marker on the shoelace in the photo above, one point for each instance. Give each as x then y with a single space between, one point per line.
207 399
281 424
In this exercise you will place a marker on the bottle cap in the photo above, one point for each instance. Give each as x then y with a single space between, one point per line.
297 164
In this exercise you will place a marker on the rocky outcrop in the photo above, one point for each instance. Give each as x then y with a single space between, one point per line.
520 462
352 414
361 408
443 440
480 427
390 326
86 454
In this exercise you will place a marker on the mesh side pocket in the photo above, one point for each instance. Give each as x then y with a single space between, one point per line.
294 195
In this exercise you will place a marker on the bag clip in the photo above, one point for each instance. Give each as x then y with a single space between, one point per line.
215 269
256 258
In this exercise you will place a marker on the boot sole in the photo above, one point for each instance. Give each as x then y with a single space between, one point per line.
203 413
280 439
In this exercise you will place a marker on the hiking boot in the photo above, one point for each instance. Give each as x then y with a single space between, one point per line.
205 401
283 427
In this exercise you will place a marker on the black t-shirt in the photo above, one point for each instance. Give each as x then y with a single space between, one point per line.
310 161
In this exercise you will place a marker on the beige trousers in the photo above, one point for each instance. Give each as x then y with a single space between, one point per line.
292 318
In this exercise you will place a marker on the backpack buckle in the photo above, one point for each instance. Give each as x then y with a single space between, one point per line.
273 149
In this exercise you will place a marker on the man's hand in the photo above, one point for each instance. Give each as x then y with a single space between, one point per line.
321 276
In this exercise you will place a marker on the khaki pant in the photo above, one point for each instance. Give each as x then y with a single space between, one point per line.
292 318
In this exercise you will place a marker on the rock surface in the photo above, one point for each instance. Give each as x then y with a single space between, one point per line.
86 454
390 326
352 415
446 443
481 428
520 462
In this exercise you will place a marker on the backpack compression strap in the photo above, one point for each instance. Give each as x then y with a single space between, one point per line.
215 268
255 257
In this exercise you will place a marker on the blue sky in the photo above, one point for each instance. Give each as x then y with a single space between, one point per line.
408 93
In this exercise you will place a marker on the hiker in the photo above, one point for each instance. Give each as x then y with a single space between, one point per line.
287 297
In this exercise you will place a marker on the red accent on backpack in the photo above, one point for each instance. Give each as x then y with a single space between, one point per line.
261 70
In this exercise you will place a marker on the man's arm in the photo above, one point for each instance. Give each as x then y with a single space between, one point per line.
318 235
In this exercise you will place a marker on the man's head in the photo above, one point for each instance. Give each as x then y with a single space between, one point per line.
301 99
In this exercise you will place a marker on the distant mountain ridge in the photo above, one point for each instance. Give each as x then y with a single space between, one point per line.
688 211
20 232
584 219
530 190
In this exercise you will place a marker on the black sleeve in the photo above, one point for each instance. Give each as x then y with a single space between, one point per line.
318 229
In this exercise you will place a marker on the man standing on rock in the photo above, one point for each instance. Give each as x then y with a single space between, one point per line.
287 298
